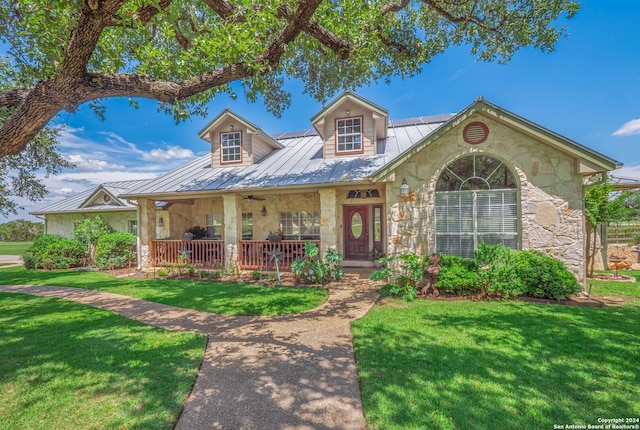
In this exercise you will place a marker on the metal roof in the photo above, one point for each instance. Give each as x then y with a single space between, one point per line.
77 202
299 162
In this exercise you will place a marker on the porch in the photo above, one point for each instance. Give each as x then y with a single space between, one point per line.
252 254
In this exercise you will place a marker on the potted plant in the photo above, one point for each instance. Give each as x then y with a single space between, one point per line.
275 236
376 255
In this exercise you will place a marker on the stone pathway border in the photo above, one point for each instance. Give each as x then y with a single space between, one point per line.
284 372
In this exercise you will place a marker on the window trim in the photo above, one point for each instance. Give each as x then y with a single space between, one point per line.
298 217
239 132
336 135
214 216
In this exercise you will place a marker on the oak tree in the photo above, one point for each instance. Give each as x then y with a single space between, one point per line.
184 52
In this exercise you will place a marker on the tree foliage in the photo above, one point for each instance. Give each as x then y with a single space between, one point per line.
184 52
602 205
21 230
18 171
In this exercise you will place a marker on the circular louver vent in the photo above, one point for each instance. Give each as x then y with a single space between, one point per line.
475 133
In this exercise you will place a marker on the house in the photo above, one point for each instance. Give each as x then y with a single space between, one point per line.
357 181
61 217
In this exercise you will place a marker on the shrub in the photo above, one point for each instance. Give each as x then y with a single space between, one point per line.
312 269
115 250
458 275
89 231
63 254
545 277
44 251
403 273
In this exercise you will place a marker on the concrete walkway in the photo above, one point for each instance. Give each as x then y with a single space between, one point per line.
286 372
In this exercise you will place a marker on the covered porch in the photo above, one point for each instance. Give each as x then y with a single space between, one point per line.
234 230
210 254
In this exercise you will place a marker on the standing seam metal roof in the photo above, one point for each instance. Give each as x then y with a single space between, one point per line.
299 162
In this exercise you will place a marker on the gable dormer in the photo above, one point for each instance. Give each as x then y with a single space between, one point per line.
350 126
236 141
101 197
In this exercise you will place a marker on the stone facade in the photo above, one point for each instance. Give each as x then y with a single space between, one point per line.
550 193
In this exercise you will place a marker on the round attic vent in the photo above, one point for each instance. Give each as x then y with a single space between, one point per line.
475 132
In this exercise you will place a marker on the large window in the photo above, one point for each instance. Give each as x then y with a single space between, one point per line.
476 201
247 226
300 225
231 148
213 224
349 135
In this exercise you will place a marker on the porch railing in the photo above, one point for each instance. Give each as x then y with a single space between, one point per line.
200 253
256 254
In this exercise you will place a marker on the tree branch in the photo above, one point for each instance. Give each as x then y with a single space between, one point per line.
341 47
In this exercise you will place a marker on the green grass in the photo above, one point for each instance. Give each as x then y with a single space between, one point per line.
14 248
64 365
227 298
496 365
630 291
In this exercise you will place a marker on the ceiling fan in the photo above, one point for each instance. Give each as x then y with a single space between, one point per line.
252 197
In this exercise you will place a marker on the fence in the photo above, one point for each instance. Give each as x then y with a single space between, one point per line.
625 232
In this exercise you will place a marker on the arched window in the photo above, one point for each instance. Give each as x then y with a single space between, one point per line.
476 201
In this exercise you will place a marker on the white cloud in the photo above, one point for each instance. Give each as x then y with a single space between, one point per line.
628 128
171 153
90 164
65 191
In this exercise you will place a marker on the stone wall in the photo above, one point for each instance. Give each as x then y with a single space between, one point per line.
549 183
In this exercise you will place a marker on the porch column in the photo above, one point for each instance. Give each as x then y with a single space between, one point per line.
232 228
146 230
328 219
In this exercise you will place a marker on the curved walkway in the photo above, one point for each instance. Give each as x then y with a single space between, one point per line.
285 372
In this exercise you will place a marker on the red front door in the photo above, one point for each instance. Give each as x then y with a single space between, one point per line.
356 233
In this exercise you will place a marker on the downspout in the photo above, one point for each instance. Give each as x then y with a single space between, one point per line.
44 218
138 257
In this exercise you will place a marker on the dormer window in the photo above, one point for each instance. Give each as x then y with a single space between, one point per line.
231 147
349 135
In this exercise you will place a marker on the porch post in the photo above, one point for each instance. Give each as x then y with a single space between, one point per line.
146 230
232 228
328 219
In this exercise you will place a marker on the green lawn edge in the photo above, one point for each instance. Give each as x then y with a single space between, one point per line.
227 298
68 365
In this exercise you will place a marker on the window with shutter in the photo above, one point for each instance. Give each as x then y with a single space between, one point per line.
476 201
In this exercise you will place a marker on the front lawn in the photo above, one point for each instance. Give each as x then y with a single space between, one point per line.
629 291
64 365
496 365
14 248
227 298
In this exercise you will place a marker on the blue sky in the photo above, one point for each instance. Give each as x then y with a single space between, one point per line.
588 90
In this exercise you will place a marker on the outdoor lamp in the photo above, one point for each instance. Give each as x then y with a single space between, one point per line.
404 188
160 222
263 211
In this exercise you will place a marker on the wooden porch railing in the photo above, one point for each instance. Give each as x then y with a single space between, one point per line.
201 253
257 254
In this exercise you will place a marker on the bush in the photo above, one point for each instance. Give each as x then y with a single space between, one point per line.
403 272
89 231
312 269
115 250
545 277
63 254
458 275
45 251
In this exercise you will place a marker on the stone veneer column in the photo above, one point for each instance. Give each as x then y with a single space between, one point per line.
146 230
328 220
232 228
